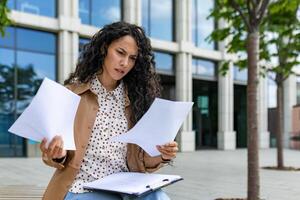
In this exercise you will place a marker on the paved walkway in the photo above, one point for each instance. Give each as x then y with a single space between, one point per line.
208 174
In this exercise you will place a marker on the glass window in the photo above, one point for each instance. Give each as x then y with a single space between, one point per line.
6 98
11 4
240 75
201 26
98 13
82 42
157 18
43 64
9 39
31 40
84 7
32 68
7 58
202 103
204 67
22 68
164 61
104 12
146 15
37 7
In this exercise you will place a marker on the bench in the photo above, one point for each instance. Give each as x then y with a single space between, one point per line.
18 192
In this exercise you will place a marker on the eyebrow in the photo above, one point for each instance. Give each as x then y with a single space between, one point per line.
126 51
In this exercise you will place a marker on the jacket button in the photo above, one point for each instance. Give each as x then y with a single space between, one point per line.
95 108
89 127
83 146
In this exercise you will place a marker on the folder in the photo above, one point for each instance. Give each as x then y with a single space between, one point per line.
132 183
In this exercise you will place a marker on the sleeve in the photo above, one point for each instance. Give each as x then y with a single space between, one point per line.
152 164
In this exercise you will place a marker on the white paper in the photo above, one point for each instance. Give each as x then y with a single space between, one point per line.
158 126
50 113
132 182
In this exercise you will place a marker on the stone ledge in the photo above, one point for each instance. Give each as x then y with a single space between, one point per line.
17 192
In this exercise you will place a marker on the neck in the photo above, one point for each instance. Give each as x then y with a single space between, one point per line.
107 83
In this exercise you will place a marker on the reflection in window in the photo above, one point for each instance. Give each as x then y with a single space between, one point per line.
11 4
201 26
43 64
7 59
48 44
6 98
36 66
22 68
8 40
204 67
240 75
82 42
164 61
157 18
37 7
84 7
99 13
202 104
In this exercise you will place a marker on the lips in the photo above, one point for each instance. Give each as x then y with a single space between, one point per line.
120 71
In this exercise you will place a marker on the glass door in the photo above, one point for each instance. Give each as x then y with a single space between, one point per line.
205 113
240 115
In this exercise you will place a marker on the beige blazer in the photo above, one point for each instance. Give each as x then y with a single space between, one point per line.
137 159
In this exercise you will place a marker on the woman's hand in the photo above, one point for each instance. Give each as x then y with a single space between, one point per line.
55 148
168 151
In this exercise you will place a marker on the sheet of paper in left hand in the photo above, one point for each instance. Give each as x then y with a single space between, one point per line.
50 113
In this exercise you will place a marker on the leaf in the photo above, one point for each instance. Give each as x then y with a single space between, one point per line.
224 68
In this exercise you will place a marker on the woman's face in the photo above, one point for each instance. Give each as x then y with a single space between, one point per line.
120 58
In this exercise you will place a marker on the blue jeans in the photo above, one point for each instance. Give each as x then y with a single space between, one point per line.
100 195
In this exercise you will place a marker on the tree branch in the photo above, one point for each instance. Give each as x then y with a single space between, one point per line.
253 2
258 6
237 7
249 6
262 10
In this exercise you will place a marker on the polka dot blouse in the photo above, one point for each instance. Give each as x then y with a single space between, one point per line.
103 157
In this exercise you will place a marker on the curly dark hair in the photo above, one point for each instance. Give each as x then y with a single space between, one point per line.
142 83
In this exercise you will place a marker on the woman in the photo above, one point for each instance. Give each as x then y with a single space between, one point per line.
116 80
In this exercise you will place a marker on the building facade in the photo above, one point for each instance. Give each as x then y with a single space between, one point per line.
47 36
